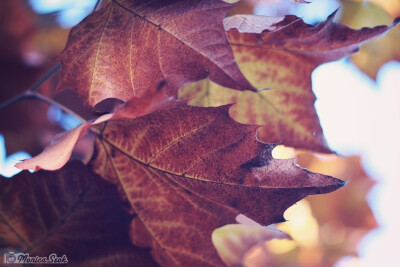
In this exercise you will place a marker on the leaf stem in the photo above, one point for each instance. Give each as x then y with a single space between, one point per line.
12 101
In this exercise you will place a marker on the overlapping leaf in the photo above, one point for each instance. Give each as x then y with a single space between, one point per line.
282 58
331 227
377 52
129 47
234 242
186 171
57 153
71 212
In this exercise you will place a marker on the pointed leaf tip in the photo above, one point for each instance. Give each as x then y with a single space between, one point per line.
198 167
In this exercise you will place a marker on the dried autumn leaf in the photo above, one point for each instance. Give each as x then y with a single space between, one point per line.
58 152
328 228
129 47
281 57
72 212
377 52
186 171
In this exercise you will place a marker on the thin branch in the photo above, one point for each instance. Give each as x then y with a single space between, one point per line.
37 84
33 88
33 95
30 93
13 101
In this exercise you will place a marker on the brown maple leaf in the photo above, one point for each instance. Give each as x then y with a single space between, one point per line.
332 226
186 171
281 56
69 212
129 47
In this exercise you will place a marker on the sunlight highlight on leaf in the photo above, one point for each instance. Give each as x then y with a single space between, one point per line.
283 152
234 241
301 225
281 246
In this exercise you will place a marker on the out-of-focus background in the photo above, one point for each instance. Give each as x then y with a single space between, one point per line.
358 104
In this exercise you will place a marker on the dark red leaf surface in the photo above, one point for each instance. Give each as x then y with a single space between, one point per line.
186 171
129 47
71 211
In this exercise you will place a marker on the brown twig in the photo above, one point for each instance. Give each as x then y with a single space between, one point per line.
32 94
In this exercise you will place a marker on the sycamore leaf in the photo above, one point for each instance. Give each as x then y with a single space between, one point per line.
69 212
186 171
129 47
331 227
280 57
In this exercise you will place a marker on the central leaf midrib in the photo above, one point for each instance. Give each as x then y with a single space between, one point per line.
169 172
154 236
191 177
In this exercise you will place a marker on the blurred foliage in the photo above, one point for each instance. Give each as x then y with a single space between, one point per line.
355 14
374 54
24 125
29 45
